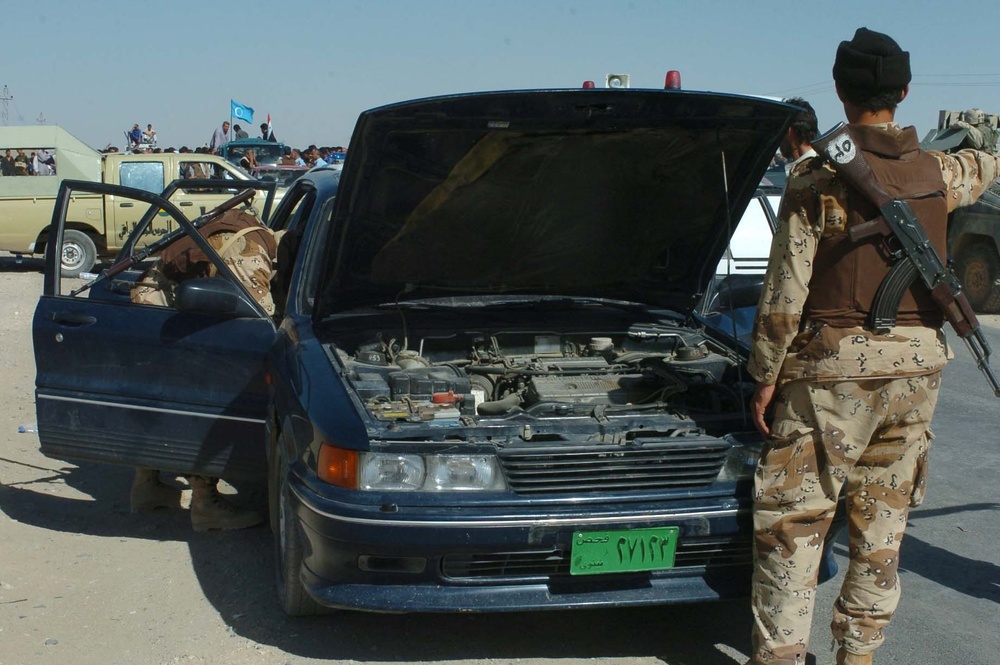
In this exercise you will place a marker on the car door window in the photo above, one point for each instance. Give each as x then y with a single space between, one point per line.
192 168
287 223
147 176
311 256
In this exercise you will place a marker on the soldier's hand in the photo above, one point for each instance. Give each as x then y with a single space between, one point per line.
763 395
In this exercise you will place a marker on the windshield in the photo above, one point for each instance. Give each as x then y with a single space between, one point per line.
282 175
264 152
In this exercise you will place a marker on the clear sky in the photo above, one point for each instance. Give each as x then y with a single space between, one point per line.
96 68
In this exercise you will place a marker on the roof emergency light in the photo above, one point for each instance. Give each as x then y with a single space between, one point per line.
616 81
588 84
673 80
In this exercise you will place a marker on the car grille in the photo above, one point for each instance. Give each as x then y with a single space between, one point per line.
543 563
652 466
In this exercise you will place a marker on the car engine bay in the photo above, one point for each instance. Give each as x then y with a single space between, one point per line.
463 378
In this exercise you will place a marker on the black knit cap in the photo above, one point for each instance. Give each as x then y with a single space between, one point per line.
872 62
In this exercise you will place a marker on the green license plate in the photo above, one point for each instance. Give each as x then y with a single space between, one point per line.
625 551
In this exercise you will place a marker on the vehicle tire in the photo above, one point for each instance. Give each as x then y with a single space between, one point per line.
79 254
287 546
978 268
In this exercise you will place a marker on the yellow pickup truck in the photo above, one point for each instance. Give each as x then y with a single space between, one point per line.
96 225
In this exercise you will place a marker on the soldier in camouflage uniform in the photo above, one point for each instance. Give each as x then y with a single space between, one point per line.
248 249
851 406
980 134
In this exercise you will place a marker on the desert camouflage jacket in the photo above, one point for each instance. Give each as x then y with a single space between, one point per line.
786 348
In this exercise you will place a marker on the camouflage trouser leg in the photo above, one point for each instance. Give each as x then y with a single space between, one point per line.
874 435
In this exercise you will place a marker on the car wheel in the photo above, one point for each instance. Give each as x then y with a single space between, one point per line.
287 545
79 254
978 268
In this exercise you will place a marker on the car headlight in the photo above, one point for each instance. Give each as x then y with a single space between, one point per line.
428 473
741 462
464 472
381 471
409 472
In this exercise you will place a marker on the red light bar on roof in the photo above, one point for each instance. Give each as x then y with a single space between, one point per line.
673 80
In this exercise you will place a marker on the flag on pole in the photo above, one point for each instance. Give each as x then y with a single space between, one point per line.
241 111
269 124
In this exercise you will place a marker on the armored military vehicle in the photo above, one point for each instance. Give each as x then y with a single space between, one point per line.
974 231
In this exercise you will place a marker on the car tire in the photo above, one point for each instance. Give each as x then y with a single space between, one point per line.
288 552
978 269
79 254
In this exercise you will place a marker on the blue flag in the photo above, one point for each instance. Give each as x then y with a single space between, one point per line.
241 111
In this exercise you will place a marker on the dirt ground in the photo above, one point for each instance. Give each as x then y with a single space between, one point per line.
84 581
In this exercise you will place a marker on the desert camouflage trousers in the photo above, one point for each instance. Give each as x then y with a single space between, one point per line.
871 438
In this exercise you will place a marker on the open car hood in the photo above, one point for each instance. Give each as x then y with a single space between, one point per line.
622 194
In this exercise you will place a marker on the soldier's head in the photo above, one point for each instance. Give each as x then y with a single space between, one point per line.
973 116
871 71
804 129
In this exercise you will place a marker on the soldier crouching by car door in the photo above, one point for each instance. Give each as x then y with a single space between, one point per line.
852 404
248 249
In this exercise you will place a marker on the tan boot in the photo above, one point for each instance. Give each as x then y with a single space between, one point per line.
148 493
845 657
210 510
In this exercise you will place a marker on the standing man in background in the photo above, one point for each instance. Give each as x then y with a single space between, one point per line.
796 147
850 406
219 137
266 133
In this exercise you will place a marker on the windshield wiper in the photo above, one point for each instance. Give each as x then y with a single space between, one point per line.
543 302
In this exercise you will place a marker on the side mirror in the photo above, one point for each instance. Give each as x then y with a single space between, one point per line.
213 295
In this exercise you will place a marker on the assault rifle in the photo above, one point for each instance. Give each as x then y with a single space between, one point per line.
915 256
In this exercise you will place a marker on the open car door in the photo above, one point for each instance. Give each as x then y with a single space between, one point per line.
175 388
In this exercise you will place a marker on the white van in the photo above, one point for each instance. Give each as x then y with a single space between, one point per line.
731 302
751 241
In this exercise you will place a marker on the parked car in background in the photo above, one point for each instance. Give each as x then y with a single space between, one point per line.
487 387
730 303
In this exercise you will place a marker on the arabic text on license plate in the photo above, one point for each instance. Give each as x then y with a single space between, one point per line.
629 550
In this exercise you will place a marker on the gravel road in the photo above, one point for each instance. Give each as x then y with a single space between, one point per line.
84 581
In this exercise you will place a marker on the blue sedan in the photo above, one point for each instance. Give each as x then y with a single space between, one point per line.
485 387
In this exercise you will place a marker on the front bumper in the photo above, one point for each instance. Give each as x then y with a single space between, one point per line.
489 559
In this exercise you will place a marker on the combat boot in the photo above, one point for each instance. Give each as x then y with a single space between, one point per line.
845 657
149 493
210 510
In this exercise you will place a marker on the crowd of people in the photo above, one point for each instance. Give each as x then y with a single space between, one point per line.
37 162
310 157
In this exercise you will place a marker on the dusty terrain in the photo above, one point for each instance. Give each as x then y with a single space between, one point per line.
84 581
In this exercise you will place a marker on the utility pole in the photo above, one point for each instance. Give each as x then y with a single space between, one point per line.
40 119
5 99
